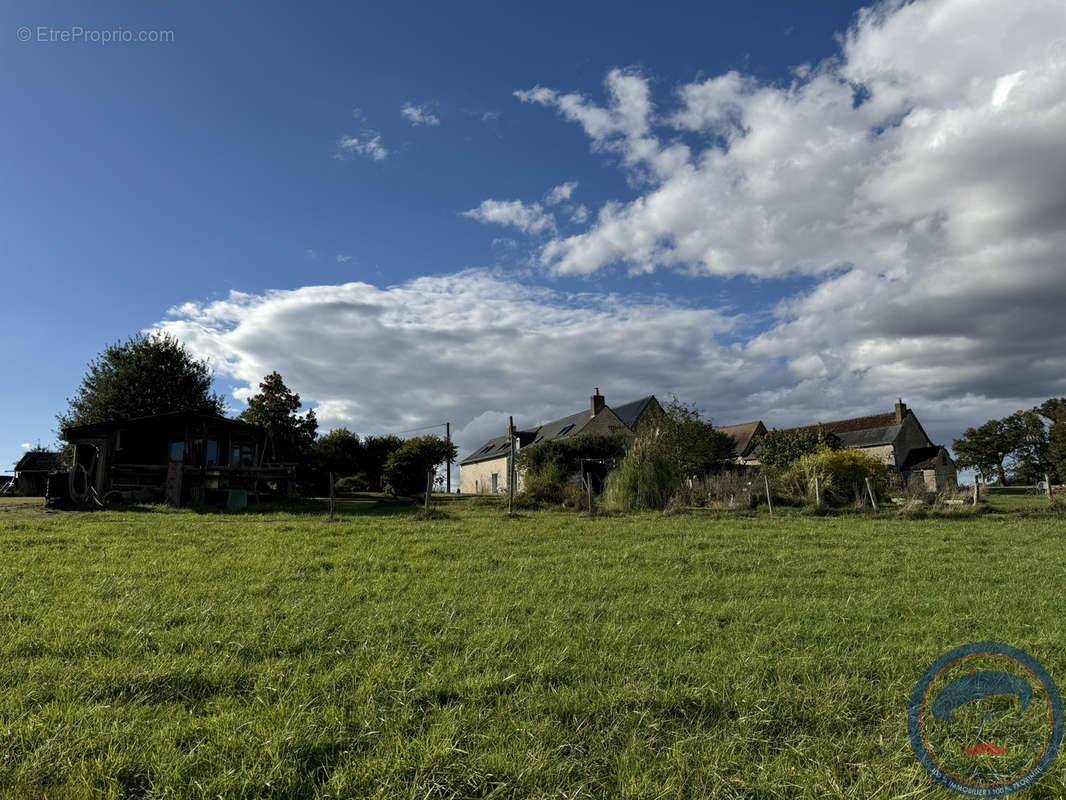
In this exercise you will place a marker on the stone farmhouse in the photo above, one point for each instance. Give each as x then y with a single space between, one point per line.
896 438
486 470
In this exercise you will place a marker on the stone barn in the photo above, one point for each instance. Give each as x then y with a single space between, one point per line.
897 438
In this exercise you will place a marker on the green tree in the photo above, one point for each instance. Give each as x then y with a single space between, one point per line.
339 452
376 451
779 448
145 375
692 443
988 448
291 436
406 468
1054 411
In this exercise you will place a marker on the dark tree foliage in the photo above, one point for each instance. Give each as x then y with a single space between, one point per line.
780 448
1054 411
690 442
339 452
406 468
376 451
275 408
142 376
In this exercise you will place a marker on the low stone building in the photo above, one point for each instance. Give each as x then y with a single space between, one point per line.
486 470
933 466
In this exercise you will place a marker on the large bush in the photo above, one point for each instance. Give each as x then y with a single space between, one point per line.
406 468
645 479
781 448
547 466
672 446
841 476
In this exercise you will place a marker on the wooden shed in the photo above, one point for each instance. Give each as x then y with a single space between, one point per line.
177 458
31 472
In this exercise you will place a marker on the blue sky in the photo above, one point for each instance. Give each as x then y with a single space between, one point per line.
268 150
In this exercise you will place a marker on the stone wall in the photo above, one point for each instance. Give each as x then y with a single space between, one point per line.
477 478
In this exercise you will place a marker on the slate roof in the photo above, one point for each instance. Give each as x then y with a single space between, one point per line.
38 461
630 412
861 431
742 435
557 429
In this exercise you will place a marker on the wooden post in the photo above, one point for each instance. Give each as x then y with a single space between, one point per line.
873 497
331 502
769 502
1047 485
429 488
976 488
510 466
448 463
817 493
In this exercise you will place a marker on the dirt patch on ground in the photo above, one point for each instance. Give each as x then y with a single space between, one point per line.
17 507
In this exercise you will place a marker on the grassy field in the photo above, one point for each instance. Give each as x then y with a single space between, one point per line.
163 653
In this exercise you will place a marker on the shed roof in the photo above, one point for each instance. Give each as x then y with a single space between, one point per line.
923 458
742 435
109 426
38 461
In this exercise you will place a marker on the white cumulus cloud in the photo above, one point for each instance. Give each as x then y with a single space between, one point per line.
366 144
419 115
527 217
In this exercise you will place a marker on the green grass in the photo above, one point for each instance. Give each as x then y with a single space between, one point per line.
1014 498
176 654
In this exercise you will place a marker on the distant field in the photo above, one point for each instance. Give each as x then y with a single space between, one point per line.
174 654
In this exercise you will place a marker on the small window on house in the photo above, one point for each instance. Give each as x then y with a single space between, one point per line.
495 482
566 430
177 450
242 455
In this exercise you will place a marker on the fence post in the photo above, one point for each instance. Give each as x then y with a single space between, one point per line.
769 502
331 501
429 488
976 488
1047 485
817 493
510 467
873 497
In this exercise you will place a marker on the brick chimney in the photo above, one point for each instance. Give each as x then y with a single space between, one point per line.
901 410
599 402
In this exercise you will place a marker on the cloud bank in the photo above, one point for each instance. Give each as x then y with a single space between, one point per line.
915 177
